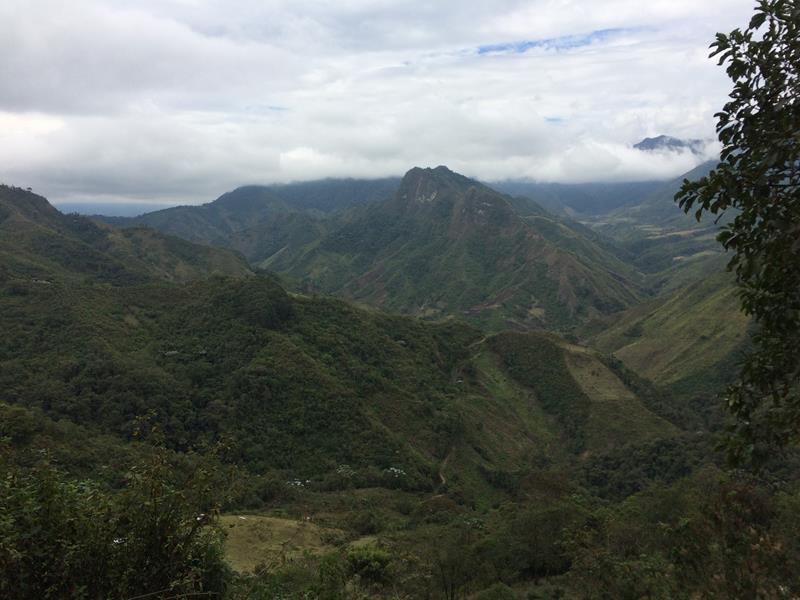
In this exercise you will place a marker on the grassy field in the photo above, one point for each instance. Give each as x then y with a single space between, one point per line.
681 335
616 415
255 540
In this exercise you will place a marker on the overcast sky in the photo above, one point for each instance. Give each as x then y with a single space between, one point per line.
181 100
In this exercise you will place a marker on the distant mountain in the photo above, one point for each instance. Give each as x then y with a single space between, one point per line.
659 207
448 245
109 209
247 208
671 144
37 242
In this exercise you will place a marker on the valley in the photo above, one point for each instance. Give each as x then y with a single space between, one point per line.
410 361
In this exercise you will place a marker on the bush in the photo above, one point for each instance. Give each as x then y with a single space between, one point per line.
370 563
71 539
367 522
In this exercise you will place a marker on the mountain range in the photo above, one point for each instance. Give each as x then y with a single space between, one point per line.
104 325
440 245
437 244
418 375
39 242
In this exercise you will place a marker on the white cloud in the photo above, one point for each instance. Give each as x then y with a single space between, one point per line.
180 100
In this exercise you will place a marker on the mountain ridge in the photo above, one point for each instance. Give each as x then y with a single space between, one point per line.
40 242
447 245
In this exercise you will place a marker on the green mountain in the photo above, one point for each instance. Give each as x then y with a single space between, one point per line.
448 245
304 385
383 455
301 384
39 242
472 252
235 218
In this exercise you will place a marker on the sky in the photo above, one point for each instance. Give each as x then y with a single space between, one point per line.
178 101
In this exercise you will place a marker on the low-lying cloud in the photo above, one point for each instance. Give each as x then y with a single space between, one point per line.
176 101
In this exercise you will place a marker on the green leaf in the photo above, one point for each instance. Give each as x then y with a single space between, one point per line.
758 20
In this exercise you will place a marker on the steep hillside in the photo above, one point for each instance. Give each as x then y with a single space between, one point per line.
39 242
301 386
579 391
689 338
447 245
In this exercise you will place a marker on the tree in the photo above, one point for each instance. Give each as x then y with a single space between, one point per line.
757 182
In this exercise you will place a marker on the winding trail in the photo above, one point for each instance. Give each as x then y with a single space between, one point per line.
442 478
479 342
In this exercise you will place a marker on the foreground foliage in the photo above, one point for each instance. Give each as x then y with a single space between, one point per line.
758 180
66 538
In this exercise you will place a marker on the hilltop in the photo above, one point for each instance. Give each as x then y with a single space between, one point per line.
39 242
668 143
448 245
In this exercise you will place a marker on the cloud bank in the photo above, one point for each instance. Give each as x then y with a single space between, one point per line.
181 100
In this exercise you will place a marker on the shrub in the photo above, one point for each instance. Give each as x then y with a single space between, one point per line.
370 563
61 538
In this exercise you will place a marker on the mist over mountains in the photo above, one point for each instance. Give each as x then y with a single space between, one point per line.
331 194
668 143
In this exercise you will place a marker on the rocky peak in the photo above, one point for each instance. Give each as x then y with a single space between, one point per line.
426 185
669 143
441 195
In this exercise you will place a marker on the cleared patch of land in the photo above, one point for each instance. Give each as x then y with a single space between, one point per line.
616 416
253 540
